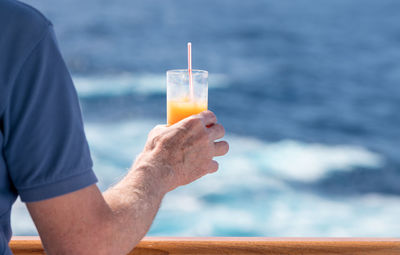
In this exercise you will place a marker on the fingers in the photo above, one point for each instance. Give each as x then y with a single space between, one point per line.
221 148
201 120
213 166
208 118
216 131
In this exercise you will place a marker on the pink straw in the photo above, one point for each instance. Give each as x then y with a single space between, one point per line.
190 70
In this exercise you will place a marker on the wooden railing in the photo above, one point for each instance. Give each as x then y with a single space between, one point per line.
241 245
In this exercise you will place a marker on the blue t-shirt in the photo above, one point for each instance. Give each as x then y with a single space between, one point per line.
44 152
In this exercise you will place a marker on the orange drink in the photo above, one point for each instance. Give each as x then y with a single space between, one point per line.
184 100
180 109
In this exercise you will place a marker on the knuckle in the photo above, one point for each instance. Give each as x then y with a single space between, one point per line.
213 115
161 139
215 167
194 122
225 148
220 129
157 139
209 114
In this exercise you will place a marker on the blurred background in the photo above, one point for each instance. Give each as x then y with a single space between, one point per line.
308 90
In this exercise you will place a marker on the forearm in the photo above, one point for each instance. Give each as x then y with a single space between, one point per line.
88 222
134 202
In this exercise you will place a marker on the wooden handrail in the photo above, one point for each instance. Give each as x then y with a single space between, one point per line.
241 245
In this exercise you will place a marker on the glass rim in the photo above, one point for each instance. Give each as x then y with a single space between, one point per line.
180 71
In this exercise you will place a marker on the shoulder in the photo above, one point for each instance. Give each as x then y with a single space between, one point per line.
22 28
18 13
21 22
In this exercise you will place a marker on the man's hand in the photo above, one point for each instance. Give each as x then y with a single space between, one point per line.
184 151
88 222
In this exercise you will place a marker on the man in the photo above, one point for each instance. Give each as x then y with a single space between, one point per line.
46 161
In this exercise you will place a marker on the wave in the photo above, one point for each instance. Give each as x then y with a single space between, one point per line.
298 160
130 83
289 214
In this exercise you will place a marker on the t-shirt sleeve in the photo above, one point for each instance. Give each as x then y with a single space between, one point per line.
45 145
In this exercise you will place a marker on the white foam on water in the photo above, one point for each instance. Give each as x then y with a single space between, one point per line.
295 214
130 83
297 160
249 195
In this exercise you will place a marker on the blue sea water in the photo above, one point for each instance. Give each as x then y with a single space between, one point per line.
308 91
